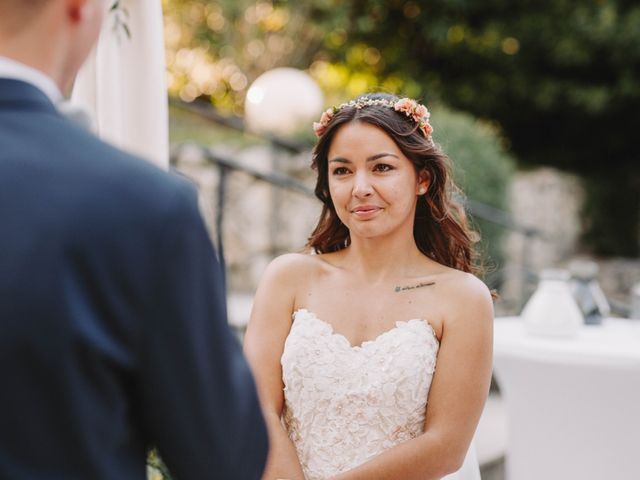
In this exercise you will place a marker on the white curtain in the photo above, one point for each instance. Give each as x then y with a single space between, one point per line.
123 85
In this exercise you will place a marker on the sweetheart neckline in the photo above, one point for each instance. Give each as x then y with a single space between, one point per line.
397 325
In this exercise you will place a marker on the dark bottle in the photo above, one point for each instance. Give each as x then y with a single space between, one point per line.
587 292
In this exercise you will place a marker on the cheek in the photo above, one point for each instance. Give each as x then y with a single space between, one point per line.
399 188
403 196
338 192
340 199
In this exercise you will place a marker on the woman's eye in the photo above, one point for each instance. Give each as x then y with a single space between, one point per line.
340 171
382 167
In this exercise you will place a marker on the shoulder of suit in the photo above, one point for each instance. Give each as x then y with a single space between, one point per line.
128 168
125 183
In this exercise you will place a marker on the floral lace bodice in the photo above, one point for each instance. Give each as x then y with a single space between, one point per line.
345 404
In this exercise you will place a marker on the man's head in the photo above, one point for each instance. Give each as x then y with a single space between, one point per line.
54 36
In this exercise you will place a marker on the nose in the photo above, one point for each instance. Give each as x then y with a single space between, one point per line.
362 186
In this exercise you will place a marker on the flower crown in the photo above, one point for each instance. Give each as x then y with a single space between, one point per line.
412 109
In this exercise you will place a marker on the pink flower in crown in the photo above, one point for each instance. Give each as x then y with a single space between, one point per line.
412 109
327 116
320 127
405 105
420 113
426 128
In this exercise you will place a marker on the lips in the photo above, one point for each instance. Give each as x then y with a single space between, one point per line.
365 212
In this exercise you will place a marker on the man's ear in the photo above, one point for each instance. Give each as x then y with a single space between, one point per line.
77 10
424 181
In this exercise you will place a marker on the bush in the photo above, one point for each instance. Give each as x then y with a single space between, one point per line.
483 169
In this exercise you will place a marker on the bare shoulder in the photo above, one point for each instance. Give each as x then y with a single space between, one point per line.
293 264
465 285
466 295
291 269
275 299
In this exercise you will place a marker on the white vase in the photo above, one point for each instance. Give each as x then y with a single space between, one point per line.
552 310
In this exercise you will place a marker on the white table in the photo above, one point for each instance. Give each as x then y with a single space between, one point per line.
573 404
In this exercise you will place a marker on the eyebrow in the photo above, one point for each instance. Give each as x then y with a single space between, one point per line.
369 159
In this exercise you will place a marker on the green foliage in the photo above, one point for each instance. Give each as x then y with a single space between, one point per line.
612 215
558 76
218 49
482 169
501 59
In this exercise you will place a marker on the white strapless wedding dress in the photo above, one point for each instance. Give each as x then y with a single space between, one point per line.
344 405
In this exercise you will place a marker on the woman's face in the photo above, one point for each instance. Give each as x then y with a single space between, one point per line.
372 184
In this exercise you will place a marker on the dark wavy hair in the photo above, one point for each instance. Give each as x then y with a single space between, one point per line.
440 229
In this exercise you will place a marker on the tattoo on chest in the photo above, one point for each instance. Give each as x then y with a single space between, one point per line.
413 287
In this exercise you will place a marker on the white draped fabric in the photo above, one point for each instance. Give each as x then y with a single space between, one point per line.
123 83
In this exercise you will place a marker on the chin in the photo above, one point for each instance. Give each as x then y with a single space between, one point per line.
369 231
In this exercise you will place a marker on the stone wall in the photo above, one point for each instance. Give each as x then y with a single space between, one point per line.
551 201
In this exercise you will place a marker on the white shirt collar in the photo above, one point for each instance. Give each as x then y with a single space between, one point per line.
18 71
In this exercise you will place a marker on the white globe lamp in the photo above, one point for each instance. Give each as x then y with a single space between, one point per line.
282 101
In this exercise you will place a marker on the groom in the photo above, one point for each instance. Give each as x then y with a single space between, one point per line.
113 336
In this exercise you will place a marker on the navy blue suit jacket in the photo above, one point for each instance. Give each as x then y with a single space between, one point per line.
113 332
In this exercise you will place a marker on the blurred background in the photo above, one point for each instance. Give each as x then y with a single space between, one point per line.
537 104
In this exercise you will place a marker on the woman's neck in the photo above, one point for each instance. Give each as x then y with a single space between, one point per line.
383 258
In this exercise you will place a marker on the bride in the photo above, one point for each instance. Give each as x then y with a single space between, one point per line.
372 355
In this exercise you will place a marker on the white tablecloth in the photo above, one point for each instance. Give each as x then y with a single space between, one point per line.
573 404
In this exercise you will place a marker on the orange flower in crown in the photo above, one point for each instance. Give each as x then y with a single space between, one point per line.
412 109
418 112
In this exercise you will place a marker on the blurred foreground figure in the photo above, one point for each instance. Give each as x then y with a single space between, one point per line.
113 332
